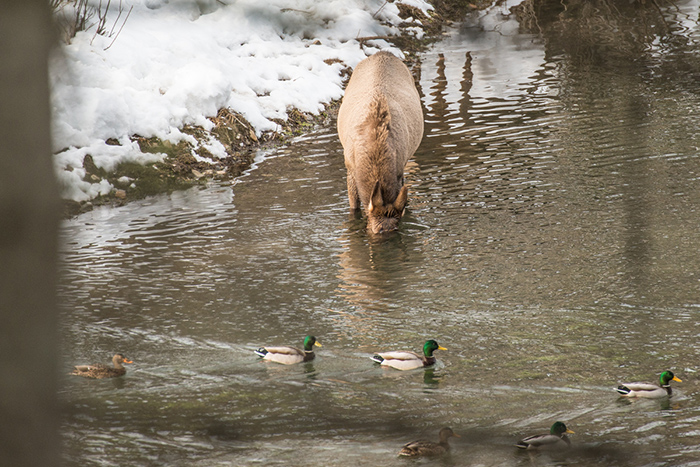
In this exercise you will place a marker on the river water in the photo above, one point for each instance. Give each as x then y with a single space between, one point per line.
551 244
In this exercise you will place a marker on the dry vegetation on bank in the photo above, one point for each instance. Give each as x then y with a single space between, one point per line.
180 168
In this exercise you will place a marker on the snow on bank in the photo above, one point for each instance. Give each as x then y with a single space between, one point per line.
177 62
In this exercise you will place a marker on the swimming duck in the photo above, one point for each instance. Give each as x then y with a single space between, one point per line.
405 360
649 390
555 439
429 448
100 370
290 355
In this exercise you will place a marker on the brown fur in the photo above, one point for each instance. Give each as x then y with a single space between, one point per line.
380 124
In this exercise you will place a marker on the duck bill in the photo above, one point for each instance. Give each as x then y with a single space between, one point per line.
676 378
571 432
317 344
441 347
128 361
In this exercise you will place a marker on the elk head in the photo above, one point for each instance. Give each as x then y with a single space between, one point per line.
384 217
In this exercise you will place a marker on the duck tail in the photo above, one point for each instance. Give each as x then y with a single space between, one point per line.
261 352
376 358
624 390
407 452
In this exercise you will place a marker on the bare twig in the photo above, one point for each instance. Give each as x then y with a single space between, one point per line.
380 9
114 25
371 38
122 27
78 15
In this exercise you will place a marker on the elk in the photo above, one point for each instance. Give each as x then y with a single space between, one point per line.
380 125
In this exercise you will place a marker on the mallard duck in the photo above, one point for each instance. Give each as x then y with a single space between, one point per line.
555 439
649 390
406 360
100 370
429 448
290 355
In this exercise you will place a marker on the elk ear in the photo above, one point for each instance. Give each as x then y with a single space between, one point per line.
376 200
401 199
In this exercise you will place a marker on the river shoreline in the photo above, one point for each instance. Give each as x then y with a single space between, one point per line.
180 169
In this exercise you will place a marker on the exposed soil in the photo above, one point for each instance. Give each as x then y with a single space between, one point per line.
181 169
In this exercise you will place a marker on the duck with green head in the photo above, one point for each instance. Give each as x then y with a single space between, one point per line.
289 355
407 360
424 447
649 390
555 439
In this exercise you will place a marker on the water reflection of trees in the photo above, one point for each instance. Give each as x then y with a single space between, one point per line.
598 32
455 120
623 67
440 120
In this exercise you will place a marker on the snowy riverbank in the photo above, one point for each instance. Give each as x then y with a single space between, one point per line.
159 66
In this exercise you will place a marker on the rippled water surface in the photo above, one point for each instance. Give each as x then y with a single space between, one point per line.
551 244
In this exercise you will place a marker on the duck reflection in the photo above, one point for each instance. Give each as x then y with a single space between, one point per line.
310 371
430 379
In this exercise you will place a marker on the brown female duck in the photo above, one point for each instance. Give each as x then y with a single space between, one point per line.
100 371
428 448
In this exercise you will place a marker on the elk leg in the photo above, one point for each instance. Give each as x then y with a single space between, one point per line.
353 195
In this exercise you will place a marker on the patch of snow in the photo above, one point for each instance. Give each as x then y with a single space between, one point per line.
177 62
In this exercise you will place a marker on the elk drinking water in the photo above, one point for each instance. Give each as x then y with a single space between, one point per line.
380 125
